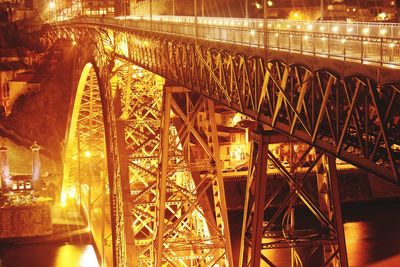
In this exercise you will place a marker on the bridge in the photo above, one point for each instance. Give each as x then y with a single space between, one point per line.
144 150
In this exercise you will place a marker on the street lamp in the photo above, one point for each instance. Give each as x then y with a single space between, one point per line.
52 6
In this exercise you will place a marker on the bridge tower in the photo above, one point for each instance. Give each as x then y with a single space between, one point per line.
270 229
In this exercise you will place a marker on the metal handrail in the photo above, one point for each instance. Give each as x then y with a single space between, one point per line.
380 44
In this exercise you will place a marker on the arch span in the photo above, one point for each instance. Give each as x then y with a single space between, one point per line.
124 163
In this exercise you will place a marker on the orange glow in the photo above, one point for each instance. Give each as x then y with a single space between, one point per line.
72 253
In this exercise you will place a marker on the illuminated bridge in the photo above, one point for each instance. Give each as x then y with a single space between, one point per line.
159 106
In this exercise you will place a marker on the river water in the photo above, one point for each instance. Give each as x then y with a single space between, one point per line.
372 234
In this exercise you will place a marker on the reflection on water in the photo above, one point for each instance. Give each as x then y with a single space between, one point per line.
372 234
355 233
48 255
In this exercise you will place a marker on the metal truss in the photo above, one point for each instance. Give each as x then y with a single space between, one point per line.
265 228
165 204
85 167
173 213
353 118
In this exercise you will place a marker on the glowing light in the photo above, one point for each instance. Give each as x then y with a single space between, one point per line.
365 30
88 257
246 24
323 39
276 34
73 42
305 37
349 29
63 199
309 27
258 5
52 5
383 31
335 29
298 27
288 26
261 24
322 28
252 32
382 16
270 3
343 41
88 154
392 45
71 192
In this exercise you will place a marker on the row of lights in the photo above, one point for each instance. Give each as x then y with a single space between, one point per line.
227 22
335 29
309 27
343 40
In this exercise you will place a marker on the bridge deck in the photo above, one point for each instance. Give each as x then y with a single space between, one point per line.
367 43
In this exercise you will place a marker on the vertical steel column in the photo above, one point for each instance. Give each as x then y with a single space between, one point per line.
322 176
259 201
338 211
255 202
162 181
124 173
220 182
329 200
126 196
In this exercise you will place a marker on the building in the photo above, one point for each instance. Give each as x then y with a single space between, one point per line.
96 7
8 71
22 84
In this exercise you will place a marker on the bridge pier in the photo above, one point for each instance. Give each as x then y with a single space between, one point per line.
261 233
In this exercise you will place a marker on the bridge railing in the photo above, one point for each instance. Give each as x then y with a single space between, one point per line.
369 43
